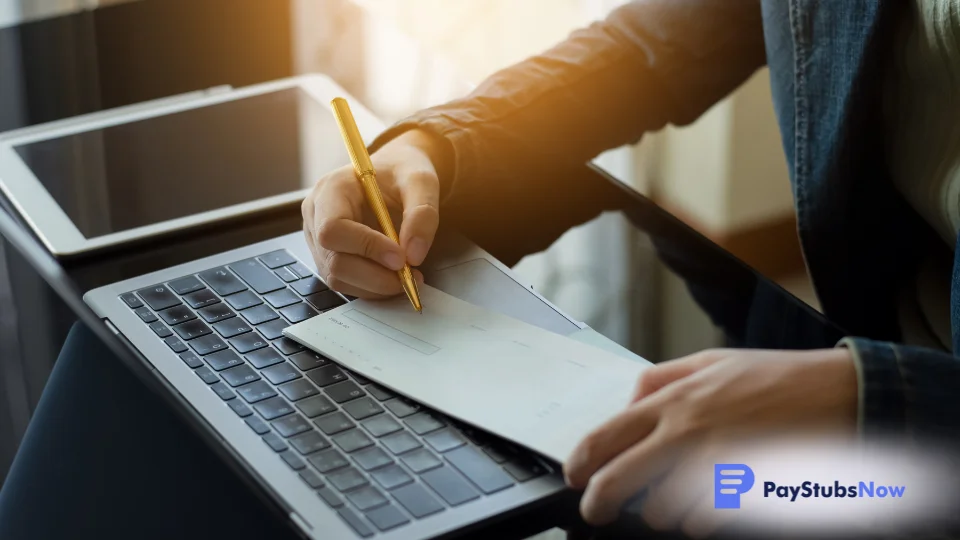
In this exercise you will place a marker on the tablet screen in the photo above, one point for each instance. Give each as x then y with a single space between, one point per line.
153 170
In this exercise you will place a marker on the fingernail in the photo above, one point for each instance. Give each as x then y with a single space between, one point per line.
393 261
418 276
417 251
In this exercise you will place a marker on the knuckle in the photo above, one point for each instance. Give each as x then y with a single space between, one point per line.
326 233
335 266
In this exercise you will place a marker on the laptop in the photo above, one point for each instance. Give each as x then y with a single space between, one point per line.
337 455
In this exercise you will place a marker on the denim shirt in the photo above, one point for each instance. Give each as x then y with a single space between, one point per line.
658 62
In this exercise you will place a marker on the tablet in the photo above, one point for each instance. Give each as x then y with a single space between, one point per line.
127 174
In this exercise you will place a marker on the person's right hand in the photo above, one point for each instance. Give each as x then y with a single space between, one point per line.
351 253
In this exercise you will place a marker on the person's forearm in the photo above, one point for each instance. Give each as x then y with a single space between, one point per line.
523 135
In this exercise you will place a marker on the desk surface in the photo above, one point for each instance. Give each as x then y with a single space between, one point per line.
747 309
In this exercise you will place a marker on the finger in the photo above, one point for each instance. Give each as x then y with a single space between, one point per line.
660 375
336 228
342 270
350 290
704 520
675 495
623 477
419 194
613 437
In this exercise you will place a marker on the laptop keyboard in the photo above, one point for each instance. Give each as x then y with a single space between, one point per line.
381 461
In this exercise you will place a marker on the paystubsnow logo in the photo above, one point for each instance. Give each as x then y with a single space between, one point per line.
730 481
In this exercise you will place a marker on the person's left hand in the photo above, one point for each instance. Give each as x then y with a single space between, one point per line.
715 395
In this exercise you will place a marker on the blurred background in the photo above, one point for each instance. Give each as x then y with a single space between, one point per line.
725 175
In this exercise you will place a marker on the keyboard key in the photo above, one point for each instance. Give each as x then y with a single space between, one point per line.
298 390
243 300
207 344
308 286
334 423
216 312
206 375
257 276
399 443
265 357
276 259
391 476
421 460
308 360
423 423
325 300
240 408
280 373
310 442
330 497
381 425
417 500
254 392
291 425
347 479
186 285
382 394
401 407
133 302
361 408
372 458
301 270
273 408
445 440
146 315
288 346
245 343
286 274
191 360
257 425
326 375
175 344
360 379
524 469
273 329
282 298
355 522
177 315
298 312
315 406
345 391
240 375
223 360
293 460
450 485
221 389
160 329
496 453
473 434
232 327
201 298
259 315
311 478
158 297
387 517
330 460
367 498
479 469
222 281
274 441
192 329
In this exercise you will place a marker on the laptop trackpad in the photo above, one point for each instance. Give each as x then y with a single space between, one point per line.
485 285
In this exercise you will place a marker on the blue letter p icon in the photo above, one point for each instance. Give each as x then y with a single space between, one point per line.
729 482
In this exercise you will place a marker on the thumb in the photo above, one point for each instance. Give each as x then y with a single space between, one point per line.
420 194
660 375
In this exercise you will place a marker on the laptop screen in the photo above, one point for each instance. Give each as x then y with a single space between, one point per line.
166 167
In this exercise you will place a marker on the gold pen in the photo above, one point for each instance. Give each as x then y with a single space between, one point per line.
367 176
